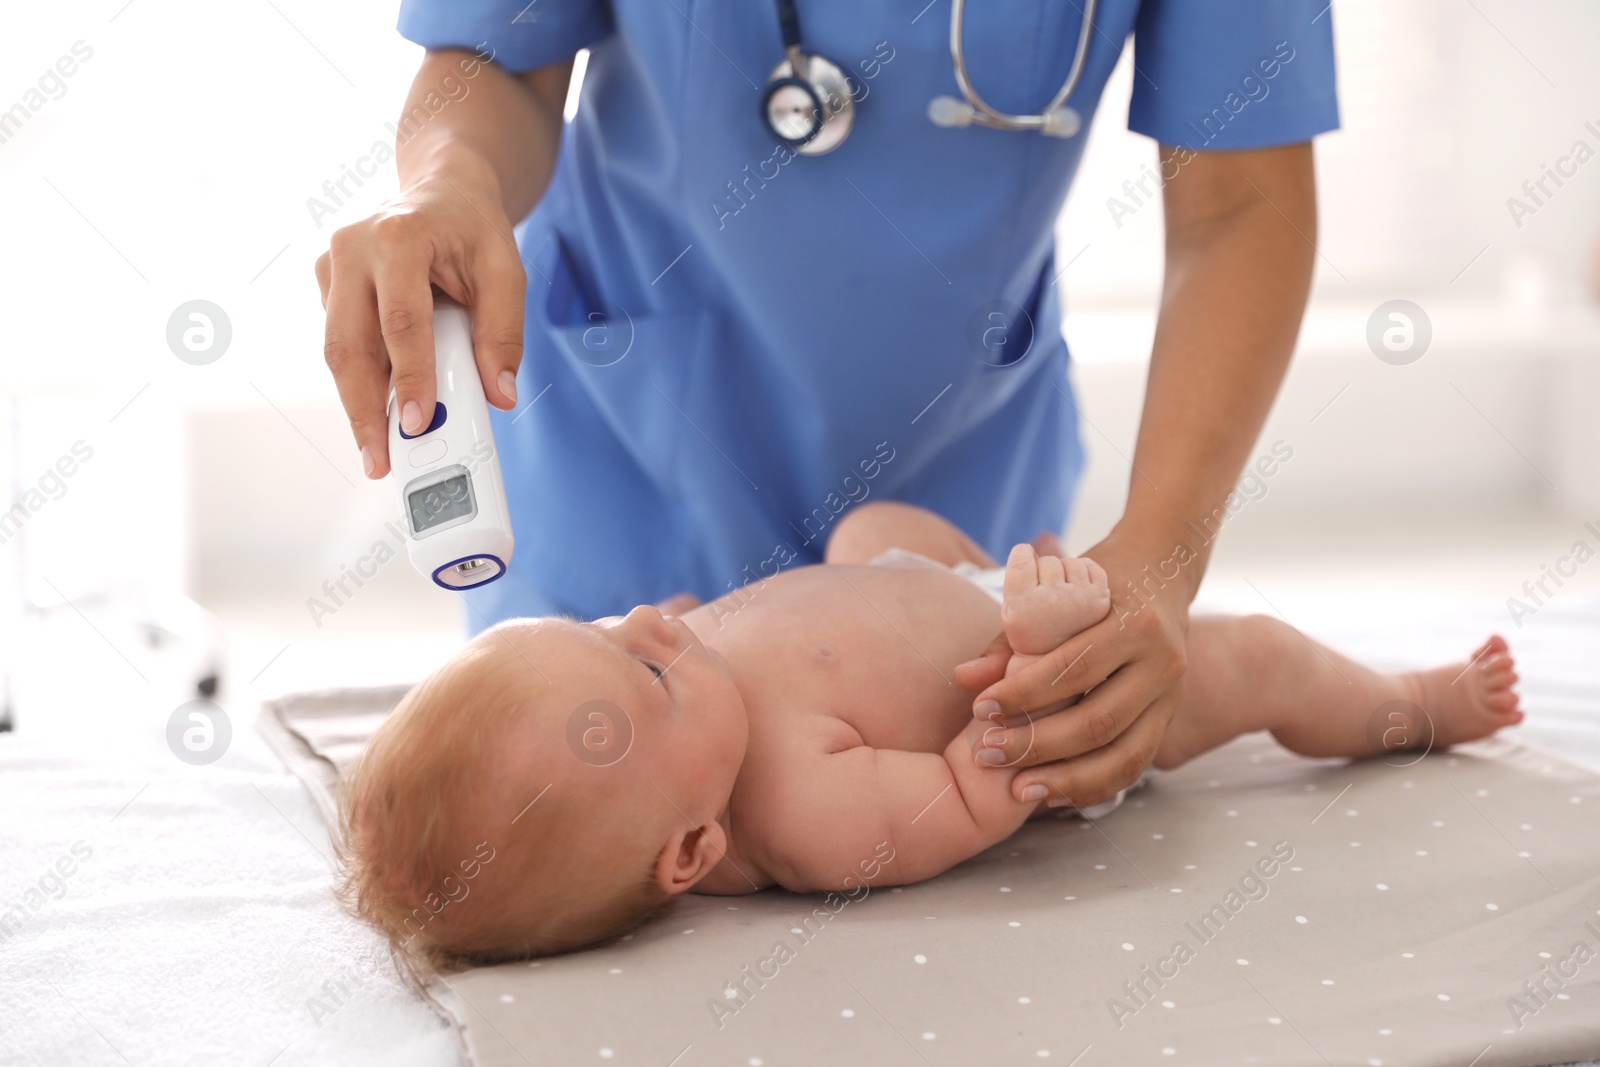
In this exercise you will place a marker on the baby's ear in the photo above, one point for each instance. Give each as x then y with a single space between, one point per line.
689 855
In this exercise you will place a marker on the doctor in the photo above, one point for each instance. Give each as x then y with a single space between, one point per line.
789 256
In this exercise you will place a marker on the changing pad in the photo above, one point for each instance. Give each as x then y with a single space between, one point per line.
1249 907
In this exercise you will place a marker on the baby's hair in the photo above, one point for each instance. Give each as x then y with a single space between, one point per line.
426 859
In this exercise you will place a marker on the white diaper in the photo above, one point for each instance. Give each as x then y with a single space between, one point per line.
992 581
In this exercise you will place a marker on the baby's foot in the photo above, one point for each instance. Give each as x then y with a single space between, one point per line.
1048 599
1466 701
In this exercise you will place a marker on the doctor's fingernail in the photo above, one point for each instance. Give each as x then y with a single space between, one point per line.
411 416
508 385
987 709
1034 792
995 737
994 757
368 464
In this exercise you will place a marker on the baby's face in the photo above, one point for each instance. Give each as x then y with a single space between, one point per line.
635 705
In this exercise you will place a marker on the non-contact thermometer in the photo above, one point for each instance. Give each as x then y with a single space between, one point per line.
448 473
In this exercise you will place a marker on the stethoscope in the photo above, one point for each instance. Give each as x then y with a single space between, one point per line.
810 106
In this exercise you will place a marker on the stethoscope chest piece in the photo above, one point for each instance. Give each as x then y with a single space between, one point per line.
810 109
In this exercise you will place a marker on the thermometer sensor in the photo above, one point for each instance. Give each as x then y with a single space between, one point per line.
448 474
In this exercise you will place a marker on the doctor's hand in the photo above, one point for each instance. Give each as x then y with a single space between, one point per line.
447 230
1130 667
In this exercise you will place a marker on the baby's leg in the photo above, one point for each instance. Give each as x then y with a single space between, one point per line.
1254 672
871 529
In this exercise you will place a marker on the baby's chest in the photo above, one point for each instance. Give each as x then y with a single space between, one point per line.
855 694
870 650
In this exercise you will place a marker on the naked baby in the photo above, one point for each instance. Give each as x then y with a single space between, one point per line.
558 782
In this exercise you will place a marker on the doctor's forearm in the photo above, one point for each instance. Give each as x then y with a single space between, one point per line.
496 133
1240 233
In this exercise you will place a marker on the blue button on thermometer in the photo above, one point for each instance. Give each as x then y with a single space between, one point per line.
451 489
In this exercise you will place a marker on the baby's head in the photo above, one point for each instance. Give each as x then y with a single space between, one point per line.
552 786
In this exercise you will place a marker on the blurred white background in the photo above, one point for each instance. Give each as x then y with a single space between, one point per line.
175 164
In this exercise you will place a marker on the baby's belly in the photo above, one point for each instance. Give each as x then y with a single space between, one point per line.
876 647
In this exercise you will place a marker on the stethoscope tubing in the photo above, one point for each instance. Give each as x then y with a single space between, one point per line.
988 115
1056 119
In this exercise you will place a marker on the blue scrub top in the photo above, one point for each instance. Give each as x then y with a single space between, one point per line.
728 345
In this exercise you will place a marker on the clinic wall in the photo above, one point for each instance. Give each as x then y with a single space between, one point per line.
274 510
1447 109
1471 428
1445 114
1466 102
99 498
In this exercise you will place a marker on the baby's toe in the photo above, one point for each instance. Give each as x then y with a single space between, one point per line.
1498 670
1497 674
1494 646
1501 701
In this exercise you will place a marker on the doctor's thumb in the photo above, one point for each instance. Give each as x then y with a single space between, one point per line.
990 667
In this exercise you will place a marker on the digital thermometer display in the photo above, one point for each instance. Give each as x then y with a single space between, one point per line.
441 502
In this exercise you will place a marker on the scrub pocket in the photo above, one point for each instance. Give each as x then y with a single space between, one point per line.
635 366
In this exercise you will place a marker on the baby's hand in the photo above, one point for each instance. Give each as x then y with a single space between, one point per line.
1047 600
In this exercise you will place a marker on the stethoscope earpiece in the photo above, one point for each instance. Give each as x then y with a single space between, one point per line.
950 113
1062 122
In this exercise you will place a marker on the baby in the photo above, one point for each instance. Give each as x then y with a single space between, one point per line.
558 783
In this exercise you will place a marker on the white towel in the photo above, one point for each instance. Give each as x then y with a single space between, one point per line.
196 924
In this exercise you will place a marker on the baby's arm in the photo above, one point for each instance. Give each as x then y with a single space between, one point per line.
934 809
1048 600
